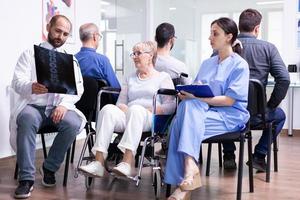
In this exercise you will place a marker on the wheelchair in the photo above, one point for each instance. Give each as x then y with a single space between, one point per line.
145 150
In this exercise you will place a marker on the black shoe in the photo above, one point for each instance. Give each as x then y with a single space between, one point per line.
258 163
24 189
229 161
48 177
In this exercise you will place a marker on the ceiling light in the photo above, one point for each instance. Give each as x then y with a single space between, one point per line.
269 2
172 8
104 3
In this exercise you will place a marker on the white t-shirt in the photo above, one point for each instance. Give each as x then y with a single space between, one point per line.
136 91
172 66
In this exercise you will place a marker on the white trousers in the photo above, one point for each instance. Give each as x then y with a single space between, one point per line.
112 119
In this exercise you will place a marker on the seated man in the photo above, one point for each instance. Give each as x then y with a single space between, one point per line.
263 58
37 108
92 63
165 38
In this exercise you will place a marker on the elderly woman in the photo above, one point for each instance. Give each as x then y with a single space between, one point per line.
197 119
133 112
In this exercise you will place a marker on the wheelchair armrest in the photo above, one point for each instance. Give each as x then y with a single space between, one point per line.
110 89
170 92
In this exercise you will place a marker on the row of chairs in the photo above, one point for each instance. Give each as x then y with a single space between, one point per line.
256 105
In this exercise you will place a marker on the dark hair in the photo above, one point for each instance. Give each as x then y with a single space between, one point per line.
249 19
229 26
164 32
56 17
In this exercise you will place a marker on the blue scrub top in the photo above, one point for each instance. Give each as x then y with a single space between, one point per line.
228 78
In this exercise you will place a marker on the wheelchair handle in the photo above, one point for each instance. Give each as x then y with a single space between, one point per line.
183 75
164 91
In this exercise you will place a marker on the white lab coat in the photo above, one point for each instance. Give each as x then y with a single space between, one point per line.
21 93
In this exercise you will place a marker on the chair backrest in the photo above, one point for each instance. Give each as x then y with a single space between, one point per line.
180 79
88 100
256 99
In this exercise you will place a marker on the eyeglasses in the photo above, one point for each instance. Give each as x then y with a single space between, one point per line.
100 35
137 53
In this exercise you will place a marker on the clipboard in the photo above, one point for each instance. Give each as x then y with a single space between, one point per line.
196 90
55 70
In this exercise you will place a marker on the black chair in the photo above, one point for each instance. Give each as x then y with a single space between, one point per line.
42 132
88 103
180 79
238 136
257 105
255 99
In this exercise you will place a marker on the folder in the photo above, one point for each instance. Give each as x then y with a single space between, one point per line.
55 70
196 90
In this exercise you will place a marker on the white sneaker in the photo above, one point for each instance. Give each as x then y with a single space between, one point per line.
94 168
122 169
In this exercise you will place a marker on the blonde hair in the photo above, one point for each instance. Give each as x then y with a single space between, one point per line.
147 46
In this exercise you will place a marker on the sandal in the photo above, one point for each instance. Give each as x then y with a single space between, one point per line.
191 182
180 194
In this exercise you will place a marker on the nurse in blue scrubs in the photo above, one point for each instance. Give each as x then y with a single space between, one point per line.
197 119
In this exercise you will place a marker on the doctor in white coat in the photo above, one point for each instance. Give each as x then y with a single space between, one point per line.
37 108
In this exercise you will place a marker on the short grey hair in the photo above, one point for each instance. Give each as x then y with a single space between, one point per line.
87 30
147 46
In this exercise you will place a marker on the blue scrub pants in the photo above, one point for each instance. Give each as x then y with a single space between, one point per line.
193 123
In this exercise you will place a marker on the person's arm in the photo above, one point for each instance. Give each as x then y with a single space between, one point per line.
22 79
281 77
212 101
237 88
123 97
168 103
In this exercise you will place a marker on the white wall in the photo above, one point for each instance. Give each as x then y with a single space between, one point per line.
21 27
290 54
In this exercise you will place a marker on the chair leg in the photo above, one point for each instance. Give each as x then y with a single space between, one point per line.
250 162
66 167
269 152
168 190
73 151
240 170
16 171
200 155
208 159
275 149
44 145
220 154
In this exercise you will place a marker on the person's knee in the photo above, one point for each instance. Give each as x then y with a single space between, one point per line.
281 114
71 121
27 119
135 109
108 108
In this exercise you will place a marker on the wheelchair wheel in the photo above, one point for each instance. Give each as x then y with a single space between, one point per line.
88 182
157 183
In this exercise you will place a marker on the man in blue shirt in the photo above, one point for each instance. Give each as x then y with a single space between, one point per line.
91 63
263 59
